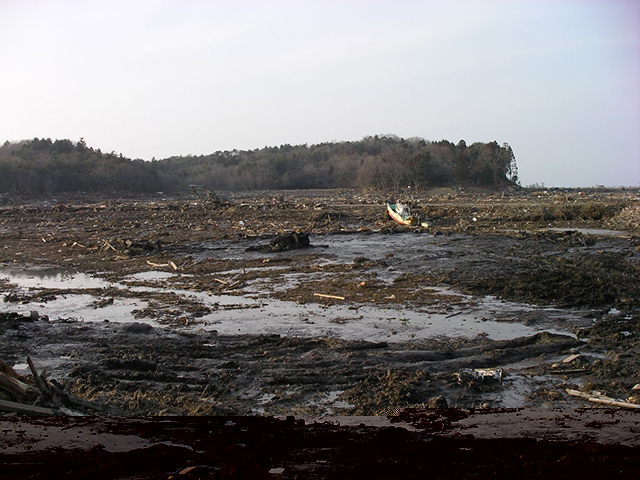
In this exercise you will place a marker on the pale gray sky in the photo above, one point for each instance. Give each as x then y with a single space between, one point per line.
559 80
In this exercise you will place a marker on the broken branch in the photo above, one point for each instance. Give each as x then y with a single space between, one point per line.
39 382
170 264
110 246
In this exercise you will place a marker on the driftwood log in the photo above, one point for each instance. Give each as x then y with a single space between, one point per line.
23 408
37 396
15 387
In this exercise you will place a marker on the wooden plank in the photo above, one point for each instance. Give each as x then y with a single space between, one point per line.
571 358
322 295
599 398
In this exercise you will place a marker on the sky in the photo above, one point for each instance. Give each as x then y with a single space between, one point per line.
558 80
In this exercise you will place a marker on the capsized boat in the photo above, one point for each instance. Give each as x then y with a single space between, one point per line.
401 214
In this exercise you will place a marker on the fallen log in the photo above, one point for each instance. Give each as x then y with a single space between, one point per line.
7 406
52 399
14 386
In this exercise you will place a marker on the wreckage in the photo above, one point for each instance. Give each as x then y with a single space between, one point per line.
34 394
401 213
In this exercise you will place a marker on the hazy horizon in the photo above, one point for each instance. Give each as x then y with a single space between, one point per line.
557 80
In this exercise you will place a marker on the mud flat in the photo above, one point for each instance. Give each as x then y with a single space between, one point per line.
163 306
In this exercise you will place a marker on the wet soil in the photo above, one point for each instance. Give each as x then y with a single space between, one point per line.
186 286
445 444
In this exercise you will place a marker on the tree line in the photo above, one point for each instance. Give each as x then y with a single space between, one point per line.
42 167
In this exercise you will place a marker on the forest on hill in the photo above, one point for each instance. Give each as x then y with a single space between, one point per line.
42 167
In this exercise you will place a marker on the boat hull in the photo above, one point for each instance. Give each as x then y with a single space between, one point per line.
391 209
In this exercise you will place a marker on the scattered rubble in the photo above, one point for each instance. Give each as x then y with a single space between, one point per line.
35 395
546 248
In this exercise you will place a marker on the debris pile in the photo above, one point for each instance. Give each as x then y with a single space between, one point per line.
35 395
284 242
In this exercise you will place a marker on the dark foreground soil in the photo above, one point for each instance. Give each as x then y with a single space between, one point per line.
445 444
544 249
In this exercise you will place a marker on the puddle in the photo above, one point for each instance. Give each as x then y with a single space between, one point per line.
80 307
590 231
602 232
150 276
254 312
329 401
468 316
51 278
368 323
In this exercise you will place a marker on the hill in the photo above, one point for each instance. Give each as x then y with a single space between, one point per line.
42 167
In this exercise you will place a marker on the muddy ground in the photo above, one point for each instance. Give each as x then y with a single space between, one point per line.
543 257
444 444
